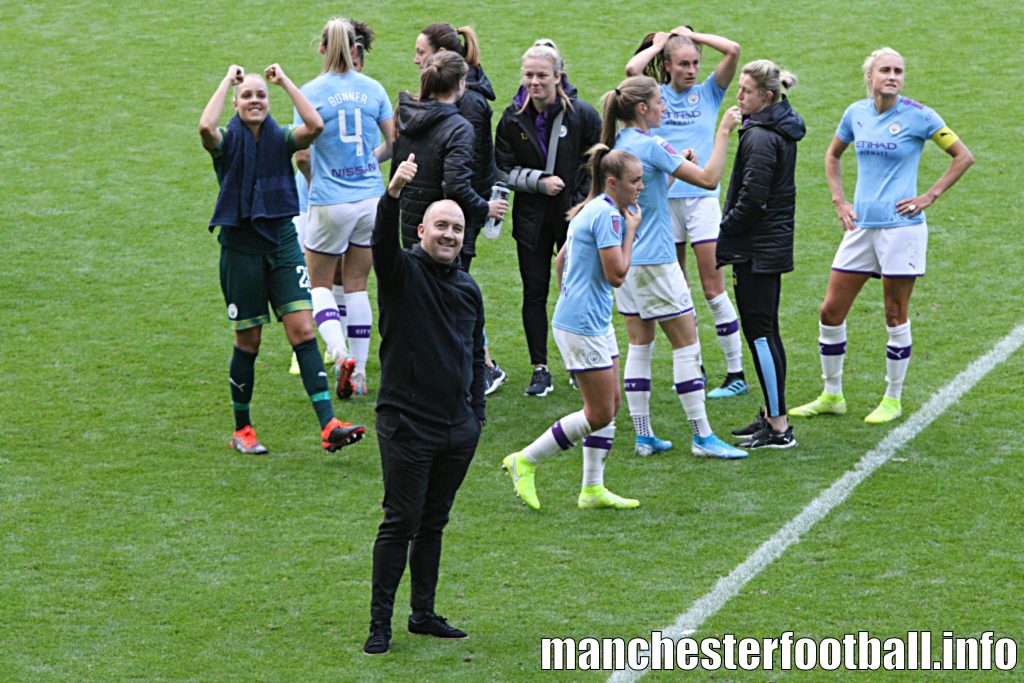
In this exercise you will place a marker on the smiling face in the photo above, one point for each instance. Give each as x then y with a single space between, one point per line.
683 67
540 80
423 50
749 96
251 100
887 76
625 191
442 231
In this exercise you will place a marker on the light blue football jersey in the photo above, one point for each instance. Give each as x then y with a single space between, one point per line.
690 121
344 168
888 148
585 302
654 243
303 189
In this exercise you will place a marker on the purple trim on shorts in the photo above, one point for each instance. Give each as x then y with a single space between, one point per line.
327 314
636 384
725 329
690 386
560 438
359 331
897 352
601 442
669 315
632 315
361 246
832 349
858 272
895 277
603 367
322 253
615 356
713 239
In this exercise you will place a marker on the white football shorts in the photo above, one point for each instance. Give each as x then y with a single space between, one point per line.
884 252
654 292
331 228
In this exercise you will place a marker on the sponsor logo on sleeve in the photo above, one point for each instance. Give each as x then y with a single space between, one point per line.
617 224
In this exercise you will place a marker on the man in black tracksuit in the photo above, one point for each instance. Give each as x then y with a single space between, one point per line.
430 407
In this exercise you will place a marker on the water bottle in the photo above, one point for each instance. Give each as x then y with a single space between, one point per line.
492 228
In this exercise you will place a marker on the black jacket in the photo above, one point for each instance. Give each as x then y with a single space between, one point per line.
476 109
442 141
431 320
518 155
757 222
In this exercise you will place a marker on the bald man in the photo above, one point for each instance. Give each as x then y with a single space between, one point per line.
430 407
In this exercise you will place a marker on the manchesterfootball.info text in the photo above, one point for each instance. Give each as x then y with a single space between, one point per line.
917 651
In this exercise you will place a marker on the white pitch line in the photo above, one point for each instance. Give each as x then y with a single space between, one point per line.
729 586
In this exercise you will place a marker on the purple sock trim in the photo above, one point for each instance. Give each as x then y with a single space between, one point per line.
897 352
832 349
359 331
725 329
327 314
560 438
637 384
689 386
602 442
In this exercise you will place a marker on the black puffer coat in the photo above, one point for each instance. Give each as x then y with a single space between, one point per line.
518 155
442 141
757 221
475 107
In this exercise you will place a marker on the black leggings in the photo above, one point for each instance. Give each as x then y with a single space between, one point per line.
535 270
757 300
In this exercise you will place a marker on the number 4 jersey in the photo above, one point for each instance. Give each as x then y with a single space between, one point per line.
352 106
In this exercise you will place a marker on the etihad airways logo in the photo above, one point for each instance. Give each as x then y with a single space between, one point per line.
872 145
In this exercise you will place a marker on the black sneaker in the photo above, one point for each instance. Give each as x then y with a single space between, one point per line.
437 626
540 383
379 642
766 437
495 378
751 428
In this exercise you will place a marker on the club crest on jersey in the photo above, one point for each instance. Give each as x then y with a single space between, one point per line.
895 128
232 311
617 225
693 98
563 131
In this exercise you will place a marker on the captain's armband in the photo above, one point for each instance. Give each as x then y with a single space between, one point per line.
945 138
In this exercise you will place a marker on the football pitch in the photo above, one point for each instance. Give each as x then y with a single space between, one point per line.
135 545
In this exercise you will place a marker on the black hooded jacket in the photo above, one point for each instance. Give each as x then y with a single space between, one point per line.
475 108
442 141
518 155
757 222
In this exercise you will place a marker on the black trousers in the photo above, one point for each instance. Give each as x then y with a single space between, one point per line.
535 271
757 301
423 466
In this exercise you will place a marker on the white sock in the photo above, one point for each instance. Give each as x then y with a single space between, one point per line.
637 385
832 347
325 312
595 450
897 358
360 323
728 329
690 387
562 436
339 298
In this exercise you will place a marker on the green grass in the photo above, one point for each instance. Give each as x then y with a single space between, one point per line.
135 545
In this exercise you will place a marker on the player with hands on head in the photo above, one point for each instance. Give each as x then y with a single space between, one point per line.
655 290
688 124
594 259
260 258
884 231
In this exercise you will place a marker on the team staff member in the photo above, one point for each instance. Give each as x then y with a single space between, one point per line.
260 257
691 109
595 259
757 235
540 147
346 183
655 290
430 407
431 128
885 234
